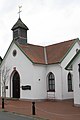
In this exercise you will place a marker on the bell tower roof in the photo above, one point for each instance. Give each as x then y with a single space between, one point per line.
20 31
19 24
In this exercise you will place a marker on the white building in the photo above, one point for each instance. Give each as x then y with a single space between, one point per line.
37 72
74 65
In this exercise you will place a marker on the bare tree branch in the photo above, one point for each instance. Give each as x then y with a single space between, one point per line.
4 75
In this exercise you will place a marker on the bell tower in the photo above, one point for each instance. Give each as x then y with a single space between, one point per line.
20 31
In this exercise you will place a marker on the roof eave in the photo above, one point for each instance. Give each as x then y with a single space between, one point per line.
76 40
71 62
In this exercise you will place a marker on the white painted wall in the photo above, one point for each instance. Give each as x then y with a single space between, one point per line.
76 81
72 52
66 94
29 75
61 75
36 75
40 90
25 68
56 70
70 55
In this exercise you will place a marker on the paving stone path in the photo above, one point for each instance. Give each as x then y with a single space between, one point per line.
13 116
50 110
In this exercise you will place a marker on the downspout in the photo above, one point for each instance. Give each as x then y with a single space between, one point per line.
46 62
61 81
45 56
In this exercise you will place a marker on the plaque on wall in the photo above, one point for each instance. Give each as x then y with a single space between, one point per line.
27 87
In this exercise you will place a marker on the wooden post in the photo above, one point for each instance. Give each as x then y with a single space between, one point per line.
33 108
2 103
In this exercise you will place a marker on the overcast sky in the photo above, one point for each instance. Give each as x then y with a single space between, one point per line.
49 21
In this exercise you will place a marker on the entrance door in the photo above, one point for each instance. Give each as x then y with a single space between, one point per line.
16 85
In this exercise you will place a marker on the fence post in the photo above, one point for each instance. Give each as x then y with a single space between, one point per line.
33 108
2 103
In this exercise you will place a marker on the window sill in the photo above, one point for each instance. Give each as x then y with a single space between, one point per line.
50 90
70 91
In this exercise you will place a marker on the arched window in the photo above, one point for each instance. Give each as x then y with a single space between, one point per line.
51 82
70 82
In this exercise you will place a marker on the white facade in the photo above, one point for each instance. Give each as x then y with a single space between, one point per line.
70 55
36 75
30 74
76 79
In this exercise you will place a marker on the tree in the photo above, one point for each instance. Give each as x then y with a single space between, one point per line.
4 79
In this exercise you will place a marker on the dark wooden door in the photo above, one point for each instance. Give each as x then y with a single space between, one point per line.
16 85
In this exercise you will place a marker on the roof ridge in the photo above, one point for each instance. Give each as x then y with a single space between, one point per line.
62 42
35 45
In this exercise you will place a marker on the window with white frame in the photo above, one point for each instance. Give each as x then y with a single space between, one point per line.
51 82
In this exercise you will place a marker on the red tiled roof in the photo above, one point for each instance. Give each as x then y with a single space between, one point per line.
34 53
54 53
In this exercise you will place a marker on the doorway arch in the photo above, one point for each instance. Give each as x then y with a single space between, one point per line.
16 85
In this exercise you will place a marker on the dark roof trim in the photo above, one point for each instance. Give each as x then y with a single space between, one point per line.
70 63
76 40
23 51
19 48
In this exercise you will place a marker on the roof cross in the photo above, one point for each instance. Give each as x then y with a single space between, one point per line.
19 10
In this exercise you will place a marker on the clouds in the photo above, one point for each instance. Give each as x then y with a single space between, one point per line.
49 21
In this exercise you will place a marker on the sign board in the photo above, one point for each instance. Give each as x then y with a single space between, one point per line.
27 87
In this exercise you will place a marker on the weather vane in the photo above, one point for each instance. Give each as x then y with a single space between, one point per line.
19 10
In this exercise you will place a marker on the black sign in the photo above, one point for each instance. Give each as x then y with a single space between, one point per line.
27 87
